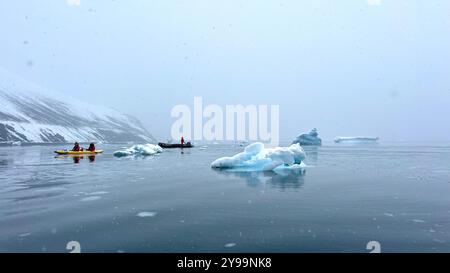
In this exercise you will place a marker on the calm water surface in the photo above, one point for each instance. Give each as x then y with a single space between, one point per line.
398 195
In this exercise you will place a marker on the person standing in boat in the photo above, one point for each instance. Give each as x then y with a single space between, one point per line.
182 140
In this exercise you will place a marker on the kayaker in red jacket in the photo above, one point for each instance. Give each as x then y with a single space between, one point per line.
182 140
91 147
76 147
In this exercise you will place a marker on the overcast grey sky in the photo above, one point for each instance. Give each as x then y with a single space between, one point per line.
347 67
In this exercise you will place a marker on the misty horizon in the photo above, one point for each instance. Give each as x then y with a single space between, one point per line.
353 68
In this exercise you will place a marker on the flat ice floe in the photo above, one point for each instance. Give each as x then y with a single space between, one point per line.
258 158
229 245
146 214
360 139
139 150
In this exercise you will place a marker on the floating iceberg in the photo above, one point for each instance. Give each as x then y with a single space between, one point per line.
143 150
257 158
311 138
356 139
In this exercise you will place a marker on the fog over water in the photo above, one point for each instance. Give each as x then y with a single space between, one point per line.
351 67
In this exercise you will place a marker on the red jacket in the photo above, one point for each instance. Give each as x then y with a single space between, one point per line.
76 148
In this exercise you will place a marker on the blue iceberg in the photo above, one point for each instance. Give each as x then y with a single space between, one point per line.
309 139
258 158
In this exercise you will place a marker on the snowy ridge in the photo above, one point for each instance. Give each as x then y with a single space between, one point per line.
27 115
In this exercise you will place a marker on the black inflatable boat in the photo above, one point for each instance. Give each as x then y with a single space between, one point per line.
178 145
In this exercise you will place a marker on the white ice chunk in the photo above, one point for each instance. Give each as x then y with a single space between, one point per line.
144 150
229 245
257 158
146 214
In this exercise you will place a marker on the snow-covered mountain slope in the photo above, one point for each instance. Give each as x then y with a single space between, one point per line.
27 115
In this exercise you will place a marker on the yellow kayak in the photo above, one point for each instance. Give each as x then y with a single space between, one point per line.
66 152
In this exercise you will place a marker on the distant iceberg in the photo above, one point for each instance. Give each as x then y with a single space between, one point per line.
356 139
258 158
311 138
142 150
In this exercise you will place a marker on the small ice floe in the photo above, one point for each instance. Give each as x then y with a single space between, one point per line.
24 235
388 214
418 221
146 214
90 198
258 158
139 150
230 245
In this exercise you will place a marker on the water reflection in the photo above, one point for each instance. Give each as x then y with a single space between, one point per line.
37 186
185 151
287 179
77 158
312 155
3 163
284 179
